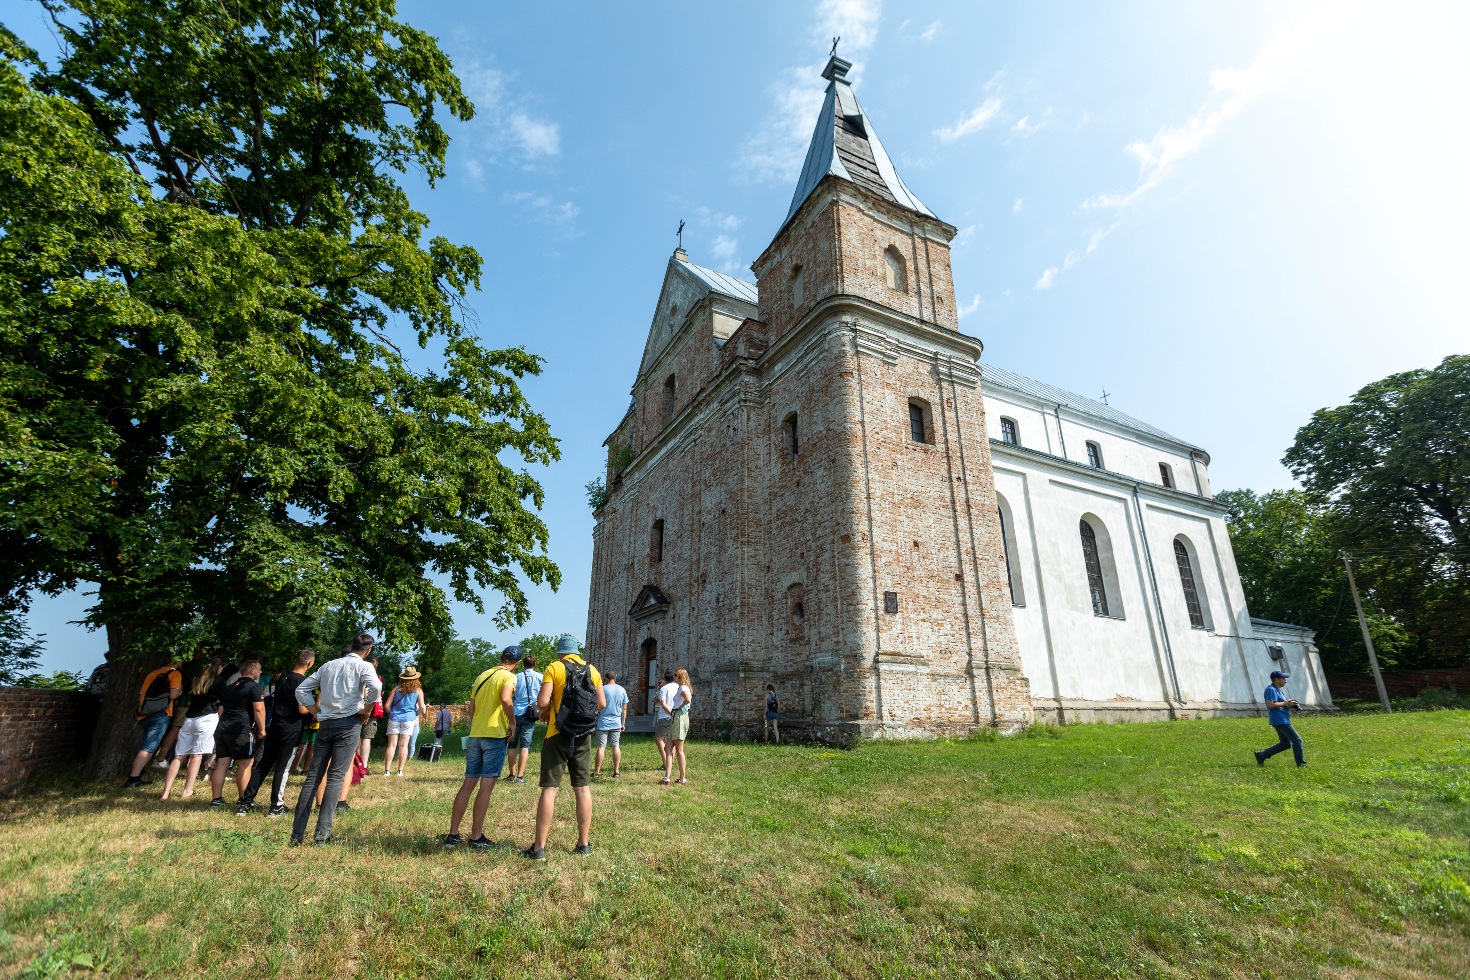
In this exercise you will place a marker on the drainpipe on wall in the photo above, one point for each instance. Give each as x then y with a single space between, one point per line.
1148 560
1060 434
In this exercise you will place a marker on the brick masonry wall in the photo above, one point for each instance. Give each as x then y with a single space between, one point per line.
39 729
1400 684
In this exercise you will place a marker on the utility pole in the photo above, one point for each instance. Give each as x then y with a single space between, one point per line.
1347 561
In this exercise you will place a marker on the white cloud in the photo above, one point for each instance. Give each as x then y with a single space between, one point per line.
544 207
1050 275
1025 127
1018 206
1232 90
969 307
974 122
930 32
537 138
726 254
963 237
777 151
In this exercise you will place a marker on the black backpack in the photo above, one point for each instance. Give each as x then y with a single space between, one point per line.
577 715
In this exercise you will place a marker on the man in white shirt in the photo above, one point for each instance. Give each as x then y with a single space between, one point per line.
345 689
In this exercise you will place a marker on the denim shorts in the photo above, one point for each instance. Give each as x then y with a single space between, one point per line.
484 758
526 728
155 726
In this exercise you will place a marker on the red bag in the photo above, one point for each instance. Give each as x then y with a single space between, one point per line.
359 769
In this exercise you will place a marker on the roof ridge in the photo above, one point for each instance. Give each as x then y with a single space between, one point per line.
1079 403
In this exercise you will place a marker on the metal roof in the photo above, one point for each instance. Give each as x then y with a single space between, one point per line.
725 285
995 377
1257 621
845 145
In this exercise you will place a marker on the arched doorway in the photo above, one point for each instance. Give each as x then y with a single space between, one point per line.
647 676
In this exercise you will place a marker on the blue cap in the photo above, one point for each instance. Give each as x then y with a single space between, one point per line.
567 644
511 652
1278 674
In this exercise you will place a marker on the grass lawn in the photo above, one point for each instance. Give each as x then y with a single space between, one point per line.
1129 850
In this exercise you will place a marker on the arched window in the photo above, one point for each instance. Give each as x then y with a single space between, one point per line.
656 542
1012 554
1102 572
795 610
1195 601
1166 475
921 422
798 286
1009 433
897 278
791 437
669 387
1094 455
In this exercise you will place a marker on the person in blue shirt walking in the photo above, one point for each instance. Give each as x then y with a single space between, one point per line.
1280 717
528 685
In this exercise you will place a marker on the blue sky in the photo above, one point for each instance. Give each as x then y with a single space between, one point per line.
1226 214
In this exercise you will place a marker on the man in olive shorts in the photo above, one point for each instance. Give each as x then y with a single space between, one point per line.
561 751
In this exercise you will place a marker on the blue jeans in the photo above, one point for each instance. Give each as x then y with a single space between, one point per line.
155 726
1289 740
484 758
336 744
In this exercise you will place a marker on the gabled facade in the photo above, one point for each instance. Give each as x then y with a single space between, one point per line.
803 492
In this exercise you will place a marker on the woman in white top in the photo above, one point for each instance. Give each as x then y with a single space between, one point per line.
678 704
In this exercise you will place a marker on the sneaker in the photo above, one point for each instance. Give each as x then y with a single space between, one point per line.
136 781
664 782
1260 759
400 772
276 811
534 853
342 806
217 801
387 773
481 843
1301 765
295 842
681 781
160 764
243 809
521 780
583 849
452 841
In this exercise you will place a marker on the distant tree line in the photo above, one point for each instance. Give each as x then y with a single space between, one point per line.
1385 477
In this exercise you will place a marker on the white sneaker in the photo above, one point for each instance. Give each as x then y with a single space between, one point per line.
160 764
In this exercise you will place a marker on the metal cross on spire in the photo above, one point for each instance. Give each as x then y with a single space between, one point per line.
1105 396
680 233
834 45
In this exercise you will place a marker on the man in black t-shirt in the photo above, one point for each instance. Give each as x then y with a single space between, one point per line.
281 739
241 722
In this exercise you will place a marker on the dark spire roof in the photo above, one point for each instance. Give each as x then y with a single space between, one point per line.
844 144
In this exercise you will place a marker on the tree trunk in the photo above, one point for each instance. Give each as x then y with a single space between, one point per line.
116 739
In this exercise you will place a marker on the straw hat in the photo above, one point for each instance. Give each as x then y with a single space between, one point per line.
411 674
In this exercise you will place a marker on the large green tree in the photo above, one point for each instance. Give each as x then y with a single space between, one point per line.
1287 555
1392 470
209 273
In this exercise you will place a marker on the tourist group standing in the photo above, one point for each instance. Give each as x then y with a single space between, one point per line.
323 723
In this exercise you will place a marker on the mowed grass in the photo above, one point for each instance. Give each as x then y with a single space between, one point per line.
1128 851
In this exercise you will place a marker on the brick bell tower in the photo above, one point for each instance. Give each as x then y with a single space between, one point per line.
881 460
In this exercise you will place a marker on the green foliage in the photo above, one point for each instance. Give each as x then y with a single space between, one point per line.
620 458
1392 467
463 661
61 680
1286 552
542 646
19 652
596 495
207 269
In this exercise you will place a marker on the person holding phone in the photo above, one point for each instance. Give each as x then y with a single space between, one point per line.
1280 717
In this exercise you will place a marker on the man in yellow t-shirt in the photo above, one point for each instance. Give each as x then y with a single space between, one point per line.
492 719
561 749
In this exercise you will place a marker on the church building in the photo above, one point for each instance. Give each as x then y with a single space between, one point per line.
820 485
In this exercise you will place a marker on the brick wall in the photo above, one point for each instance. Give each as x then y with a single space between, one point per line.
40 729
1400 684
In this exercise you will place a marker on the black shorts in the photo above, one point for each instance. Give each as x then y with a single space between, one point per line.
234 741
560 751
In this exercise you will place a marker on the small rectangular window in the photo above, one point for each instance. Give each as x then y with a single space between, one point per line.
656 542
916 422
1094 455
1008 432
793 437
1166 475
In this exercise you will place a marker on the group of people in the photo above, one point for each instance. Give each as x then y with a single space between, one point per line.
323 724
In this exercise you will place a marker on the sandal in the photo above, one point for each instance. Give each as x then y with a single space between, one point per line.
664 781
681 782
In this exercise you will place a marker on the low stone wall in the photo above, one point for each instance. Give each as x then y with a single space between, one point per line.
1400 683
40 729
